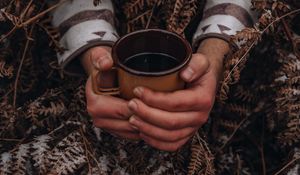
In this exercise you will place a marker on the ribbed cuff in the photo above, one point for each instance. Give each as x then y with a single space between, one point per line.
199 39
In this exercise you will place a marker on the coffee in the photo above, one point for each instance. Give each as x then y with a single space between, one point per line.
151 62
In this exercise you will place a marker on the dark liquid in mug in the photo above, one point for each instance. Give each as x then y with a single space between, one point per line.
151 62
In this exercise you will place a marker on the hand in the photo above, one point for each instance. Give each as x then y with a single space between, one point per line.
168 120
109 113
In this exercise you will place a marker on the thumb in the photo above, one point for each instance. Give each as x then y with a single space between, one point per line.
101 58
197 67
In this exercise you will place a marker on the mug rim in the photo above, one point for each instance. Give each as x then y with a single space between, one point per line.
154 74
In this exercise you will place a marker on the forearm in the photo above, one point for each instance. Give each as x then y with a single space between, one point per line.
220 20
82 26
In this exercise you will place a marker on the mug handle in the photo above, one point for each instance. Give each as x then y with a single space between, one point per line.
96 84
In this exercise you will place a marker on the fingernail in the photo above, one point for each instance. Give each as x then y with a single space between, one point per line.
132 105
98 62
132 120
138 91
134 127
104 62
188 73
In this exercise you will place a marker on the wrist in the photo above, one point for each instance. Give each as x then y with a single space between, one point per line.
215 50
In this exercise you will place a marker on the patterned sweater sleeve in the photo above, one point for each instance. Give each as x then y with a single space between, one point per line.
83 25
223 18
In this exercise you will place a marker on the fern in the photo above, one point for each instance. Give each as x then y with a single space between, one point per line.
5 71
181 16
291 135
68 155
39 155
21 157
201 161
5 163
52 33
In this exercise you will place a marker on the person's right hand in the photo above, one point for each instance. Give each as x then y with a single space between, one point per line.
108 113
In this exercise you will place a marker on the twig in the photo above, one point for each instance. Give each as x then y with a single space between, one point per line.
20 67
9 33
18 144
86 150
231 136
151 15
88 153
26 10
287 165
33 19
261 148
6 94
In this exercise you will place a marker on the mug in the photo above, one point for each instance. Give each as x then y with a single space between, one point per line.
150 58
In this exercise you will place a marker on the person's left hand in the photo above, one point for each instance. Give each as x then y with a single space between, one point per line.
167 121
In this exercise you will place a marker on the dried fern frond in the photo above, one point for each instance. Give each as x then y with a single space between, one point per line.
21 158
52 33
6 163
68 155
183 12
291 136
201 161
40 147
5 70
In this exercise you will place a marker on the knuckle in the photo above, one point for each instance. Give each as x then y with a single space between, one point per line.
143 110
177 104
205 102
201 60
198 55
196 102
145 96
208 102
172 124
122 112
148 97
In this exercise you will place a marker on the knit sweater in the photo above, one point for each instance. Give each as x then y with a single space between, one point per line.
83 25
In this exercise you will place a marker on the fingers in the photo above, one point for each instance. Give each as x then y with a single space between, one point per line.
193 99
167 120
113 124
196 68
159 133
100 57
105 106
165 146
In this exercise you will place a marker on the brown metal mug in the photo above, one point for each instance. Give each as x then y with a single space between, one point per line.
143 41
